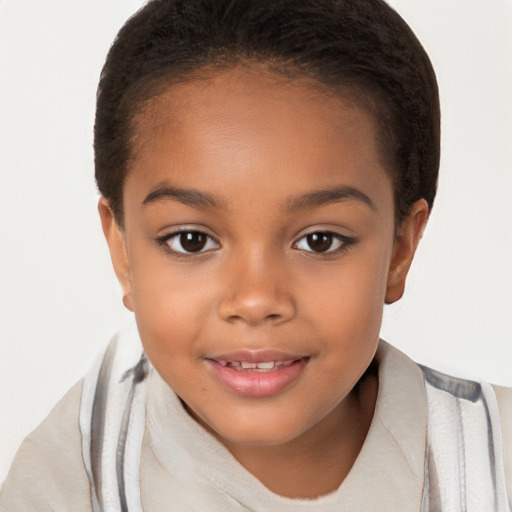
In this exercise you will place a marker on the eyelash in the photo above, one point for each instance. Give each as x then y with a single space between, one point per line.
344 243
165 240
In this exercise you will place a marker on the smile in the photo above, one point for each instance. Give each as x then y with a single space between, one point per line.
262 367
256 378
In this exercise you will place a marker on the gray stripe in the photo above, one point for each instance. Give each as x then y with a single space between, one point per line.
431 494
98 419
461 452
459 388
462 390
492 455
138 374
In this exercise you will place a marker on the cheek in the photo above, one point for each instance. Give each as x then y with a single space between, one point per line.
166 288
351 295
172 303
347 317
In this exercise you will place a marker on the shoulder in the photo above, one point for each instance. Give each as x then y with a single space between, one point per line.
477 411
504 398
453 403
48 472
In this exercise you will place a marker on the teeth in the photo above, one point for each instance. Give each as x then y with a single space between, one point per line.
265 366
261 366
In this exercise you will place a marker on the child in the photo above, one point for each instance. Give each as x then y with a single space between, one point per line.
266 169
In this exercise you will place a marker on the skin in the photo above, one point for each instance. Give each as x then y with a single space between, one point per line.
257 143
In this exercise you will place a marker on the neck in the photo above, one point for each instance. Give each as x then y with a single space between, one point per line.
317 462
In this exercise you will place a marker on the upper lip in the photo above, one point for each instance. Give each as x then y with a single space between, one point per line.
255 356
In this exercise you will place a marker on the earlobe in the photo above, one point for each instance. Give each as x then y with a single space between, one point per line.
407 239
116 244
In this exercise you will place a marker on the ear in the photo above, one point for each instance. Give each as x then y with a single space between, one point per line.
117 247
408 236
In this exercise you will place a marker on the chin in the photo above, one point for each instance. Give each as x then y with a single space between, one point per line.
254 433
258 438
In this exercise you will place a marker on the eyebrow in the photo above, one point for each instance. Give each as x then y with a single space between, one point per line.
203 200
326 196
190 197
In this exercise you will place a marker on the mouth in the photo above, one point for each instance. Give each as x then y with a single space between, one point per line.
260 366
254 375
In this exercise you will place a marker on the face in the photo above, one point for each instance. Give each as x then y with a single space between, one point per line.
258 249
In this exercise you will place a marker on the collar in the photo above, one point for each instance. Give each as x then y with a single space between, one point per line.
388 473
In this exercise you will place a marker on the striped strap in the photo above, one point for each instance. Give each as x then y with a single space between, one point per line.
464 463
112 422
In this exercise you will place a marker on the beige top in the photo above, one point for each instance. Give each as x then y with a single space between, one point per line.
184 468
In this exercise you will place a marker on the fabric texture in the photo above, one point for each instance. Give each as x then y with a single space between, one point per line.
464 457
183 467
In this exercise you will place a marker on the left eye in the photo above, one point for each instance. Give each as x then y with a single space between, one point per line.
189 242
321 241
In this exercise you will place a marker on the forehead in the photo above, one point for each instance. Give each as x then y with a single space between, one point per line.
249 124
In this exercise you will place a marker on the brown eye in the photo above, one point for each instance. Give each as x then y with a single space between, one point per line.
320 242
324 242
189 242
193 241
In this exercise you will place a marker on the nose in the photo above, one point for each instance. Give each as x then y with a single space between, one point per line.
257 292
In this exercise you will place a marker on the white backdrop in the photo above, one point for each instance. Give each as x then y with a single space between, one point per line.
59 301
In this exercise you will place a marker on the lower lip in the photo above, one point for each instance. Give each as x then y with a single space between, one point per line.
257 384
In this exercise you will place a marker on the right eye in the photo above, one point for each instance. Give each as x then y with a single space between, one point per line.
189 242
324 242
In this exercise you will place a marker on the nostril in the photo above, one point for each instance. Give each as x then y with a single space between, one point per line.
234 318
256 305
